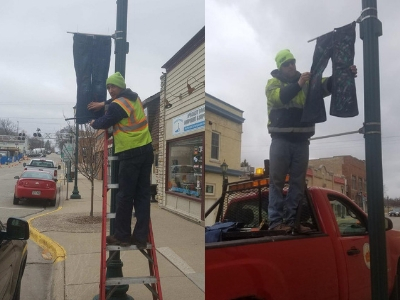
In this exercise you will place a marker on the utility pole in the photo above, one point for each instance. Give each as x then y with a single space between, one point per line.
370 30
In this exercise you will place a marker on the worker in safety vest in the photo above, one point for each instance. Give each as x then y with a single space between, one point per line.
132 141
289 151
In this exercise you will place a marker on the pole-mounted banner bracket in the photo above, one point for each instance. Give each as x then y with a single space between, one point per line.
371 128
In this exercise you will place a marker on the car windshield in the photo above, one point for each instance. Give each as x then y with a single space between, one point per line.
38 175
43 164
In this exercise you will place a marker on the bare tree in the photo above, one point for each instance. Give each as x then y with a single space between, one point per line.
34 142
7 127
244 163
90 155
63 136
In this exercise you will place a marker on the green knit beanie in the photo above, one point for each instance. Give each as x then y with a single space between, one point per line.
117 80
283 56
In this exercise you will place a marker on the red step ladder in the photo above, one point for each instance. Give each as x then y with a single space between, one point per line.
152 282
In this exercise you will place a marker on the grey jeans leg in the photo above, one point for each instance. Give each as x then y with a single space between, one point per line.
286 158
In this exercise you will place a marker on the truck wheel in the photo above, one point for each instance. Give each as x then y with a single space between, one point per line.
16 200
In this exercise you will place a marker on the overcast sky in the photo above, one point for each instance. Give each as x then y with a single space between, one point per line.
38 83
242 39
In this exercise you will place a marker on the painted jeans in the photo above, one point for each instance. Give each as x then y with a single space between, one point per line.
92 61
338 46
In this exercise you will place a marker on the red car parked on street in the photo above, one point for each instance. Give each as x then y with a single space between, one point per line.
34 184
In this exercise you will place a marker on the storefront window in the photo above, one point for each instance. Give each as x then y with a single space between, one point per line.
185 166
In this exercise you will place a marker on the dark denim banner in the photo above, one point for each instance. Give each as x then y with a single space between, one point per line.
92 55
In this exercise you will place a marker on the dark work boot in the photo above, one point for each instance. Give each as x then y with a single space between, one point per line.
139 244
112 240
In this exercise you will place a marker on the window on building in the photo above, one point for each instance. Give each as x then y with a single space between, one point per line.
353 182
360 184
185 166
215 145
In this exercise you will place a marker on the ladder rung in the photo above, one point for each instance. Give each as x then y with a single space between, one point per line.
113 158
119 248
111 215
112 185
131 280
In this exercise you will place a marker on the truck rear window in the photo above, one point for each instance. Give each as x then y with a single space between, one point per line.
249 207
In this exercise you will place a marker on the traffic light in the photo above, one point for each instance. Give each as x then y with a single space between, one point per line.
21 136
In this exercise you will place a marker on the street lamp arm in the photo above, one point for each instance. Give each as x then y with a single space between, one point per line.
361 130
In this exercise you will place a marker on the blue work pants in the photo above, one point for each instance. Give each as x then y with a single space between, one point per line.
286 157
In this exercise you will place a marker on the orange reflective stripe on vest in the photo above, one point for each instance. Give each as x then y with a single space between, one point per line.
132 124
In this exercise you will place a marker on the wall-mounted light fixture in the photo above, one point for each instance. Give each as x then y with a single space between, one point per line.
190 90
167 104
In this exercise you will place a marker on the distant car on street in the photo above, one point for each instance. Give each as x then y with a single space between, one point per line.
394 212
35 184
13 255
41 164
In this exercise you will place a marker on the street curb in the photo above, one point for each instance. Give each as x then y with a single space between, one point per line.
57 251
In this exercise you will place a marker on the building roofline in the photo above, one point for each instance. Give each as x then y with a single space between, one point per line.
151 98
223 113
186 50
223 102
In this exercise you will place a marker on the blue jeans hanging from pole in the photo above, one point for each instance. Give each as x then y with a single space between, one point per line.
92 55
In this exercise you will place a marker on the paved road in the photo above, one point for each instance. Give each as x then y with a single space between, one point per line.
36 282
396 222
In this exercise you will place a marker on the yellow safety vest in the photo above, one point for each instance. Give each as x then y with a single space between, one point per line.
133 131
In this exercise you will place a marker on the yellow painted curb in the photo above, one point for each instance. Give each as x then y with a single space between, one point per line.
57 251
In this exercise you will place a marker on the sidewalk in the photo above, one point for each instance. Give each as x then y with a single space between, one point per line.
74 243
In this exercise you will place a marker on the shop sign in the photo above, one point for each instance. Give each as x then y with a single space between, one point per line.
67 152
189 121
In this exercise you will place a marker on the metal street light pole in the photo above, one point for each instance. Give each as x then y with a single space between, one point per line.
114 266
224 169
75 192
370 30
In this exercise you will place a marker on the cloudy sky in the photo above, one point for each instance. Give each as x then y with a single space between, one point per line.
242 39
38 83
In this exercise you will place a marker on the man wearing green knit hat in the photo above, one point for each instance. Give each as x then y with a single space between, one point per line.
117 80
132 141
286 94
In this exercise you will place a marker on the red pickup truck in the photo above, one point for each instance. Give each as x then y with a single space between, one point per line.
332 261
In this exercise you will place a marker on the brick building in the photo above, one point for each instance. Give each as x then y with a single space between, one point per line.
346 174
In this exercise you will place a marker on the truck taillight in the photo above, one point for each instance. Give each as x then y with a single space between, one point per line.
55 173
25 169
